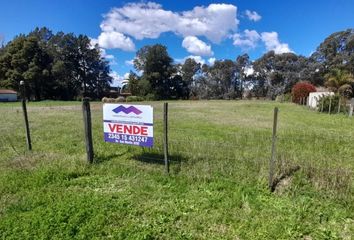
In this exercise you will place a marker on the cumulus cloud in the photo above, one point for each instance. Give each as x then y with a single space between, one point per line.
94 42
118 79
105 55
149 20
129 62
249 70
196 46
198 59
211 61
247 40
272 42
253 15
114 39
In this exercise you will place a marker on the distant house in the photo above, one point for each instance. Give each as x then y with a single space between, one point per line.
314 97
7 95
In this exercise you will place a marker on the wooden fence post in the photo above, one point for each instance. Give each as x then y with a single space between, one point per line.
274 139
330 105
351 110
322 101
88 128
165 133
24 108
338 106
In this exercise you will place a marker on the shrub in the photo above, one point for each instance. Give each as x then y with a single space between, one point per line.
283 98
119 99
150 97
301 90
135 99
334 101
108 100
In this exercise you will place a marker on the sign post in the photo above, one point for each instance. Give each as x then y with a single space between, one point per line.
128 124
274 139
86 110
165 138
24 108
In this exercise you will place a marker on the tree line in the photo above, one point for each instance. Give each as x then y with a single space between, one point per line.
66 66
54 66
331 65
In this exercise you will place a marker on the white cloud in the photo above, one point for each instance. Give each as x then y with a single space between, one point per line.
198 59
126 75
272 42
129 62
117 79
149 20
247 40
253 15
105 55
211 61
196 46
94 42
249 70
114 39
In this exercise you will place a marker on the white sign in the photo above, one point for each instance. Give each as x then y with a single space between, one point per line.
128 124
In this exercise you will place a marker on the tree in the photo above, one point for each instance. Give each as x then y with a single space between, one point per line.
157 69
276 74
54 66
241 65
337 51
133 84
302 90
25 60
219 80
341 81
189 69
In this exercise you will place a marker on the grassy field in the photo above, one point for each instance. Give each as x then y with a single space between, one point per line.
217 188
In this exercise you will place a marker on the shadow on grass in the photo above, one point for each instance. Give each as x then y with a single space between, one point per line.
103 158
157 158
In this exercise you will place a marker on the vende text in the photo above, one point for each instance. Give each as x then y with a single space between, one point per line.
128 129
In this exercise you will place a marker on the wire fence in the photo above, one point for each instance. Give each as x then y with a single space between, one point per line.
325 157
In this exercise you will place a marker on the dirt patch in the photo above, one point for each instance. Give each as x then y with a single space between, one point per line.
281 182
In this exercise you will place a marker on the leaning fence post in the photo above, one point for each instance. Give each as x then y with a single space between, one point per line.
165 139
274 139
24 108
339 106
351 110
322 100
88 128
330 105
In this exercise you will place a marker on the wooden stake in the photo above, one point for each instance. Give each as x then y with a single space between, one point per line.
274 139
165 142
322 101
24 108
88 129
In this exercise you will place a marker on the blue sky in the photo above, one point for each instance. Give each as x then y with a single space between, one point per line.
207 30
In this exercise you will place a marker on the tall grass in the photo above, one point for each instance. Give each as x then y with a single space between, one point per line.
217 188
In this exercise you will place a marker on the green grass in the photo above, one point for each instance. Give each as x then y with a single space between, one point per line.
217 188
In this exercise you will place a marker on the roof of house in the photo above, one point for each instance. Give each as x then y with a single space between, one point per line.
7 91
